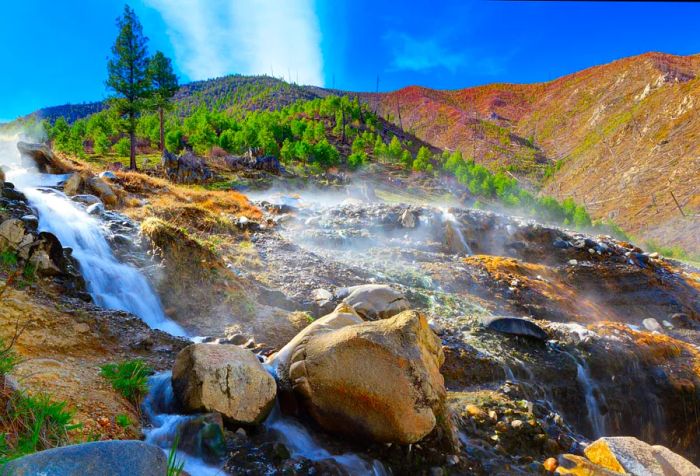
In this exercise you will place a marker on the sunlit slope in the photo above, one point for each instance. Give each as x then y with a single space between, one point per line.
621 136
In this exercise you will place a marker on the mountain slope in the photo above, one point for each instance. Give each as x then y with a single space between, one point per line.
620 137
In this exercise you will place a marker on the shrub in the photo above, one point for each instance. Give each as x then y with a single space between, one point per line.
123 147
123 420
129 378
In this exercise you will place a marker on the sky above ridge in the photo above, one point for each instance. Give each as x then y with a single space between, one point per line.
55 52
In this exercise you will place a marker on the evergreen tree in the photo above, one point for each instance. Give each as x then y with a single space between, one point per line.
164 84
128 75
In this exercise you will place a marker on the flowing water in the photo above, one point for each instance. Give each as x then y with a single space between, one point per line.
159 406
112 285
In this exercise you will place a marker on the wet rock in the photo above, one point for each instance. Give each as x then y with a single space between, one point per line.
550 464
374 301
652 325
377 379
514 326
42 157
74 185
116 458
11 193
95 209
626 454
85 199
108 174
203 436
408 219
30 221
224 379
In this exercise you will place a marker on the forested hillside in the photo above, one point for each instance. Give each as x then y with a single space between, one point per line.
620 137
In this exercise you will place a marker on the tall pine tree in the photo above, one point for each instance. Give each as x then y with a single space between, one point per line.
128 75
164 83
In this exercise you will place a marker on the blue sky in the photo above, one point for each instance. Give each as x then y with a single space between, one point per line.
55 52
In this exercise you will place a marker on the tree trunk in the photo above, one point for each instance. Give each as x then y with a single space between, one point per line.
162 131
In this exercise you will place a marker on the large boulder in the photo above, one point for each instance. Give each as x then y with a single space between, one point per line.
225 379
116 458
42 157
343 316
11 233
188 168
374 301
379 380
628 455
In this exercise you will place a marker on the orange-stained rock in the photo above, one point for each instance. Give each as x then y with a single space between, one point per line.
550 464
626 454
580 466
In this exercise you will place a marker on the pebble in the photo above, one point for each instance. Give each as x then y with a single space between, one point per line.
573 262
516 424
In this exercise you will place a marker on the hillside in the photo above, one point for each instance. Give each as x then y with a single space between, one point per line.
620 137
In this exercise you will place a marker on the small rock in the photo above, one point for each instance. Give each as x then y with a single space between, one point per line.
573 262
95 209
516 424
108 174
652 325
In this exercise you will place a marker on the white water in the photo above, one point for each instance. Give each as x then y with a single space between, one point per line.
159 406
112 285
589 387
300 443
454 225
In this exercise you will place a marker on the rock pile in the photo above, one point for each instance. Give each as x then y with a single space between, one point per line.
187 168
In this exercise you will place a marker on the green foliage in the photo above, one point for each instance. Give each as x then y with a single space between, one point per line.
123 420
175 466
173 141
423 162
123 147
37 422
8 259
129 378
8 359
357 159
128 75
675 252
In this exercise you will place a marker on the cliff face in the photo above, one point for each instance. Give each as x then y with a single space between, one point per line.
620 137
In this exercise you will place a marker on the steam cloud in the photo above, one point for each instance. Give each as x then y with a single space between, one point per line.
218 37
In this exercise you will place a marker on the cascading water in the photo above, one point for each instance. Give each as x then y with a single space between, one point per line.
300 443
112 285
159 406
590 389
454 227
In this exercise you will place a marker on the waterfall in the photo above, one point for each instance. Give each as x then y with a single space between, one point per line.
112 285
590 389
454 225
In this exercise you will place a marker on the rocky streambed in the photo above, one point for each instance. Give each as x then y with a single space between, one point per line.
338 335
